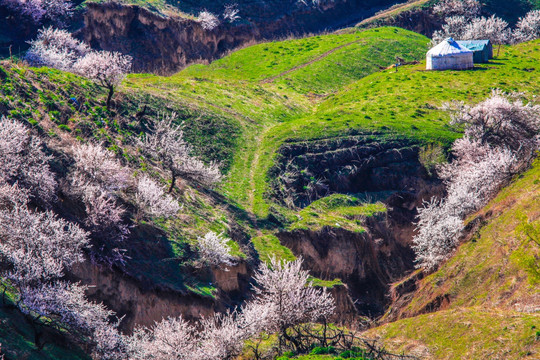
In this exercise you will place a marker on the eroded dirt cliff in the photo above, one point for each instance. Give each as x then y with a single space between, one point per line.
164 45
390 170
141 304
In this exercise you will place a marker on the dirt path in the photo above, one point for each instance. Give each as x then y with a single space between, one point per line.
393 11
318 58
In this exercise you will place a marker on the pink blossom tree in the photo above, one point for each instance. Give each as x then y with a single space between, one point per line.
153 201
23 160
528 27
55 48
107 69
166 144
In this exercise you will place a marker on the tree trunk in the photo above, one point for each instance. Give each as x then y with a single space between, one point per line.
109 97
173 181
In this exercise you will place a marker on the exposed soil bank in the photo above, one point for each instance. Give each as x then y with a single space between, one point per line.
142 306
368 262
165 44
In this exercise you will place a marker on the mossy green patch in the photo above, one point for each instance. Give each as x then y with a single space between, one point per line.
268 246
337 210
325 283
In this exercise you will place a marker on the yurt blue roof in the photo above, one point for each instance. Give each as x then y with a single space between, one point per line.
474 45
448 47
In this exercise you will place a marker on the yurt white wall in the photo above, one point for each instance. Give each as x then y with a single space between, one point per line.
449 55
450 62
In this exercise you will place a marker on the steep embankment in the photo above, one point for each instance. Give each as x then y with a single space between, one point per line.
163 38
487 295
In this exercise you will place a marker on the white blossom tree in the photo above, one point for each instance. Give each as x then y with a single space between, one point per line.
104 217
462 28
166 144
106 68
501 120
172 338
153 201
208 20
22 160
284 297
214 250
493 28
220 338
466 8
58 49
56 11
97 168
471 181
97 177
55 48
528 27
453 27
286 288
501 137
38 245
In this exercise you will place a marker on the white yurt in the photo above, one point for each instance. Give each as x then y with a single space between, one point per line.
449 55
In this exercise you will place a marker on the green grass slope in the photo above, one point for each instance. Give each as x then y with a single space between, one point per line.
43 99
273 92
489 290
278 83
406 103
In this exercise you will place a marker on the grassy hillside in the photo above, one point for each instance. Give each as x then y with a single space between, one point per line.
242 109
270 88
65 109
405 102
272 91
488 291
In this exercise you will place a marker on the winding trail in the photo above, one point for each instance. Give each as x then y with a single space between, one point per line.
393 11
314 60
